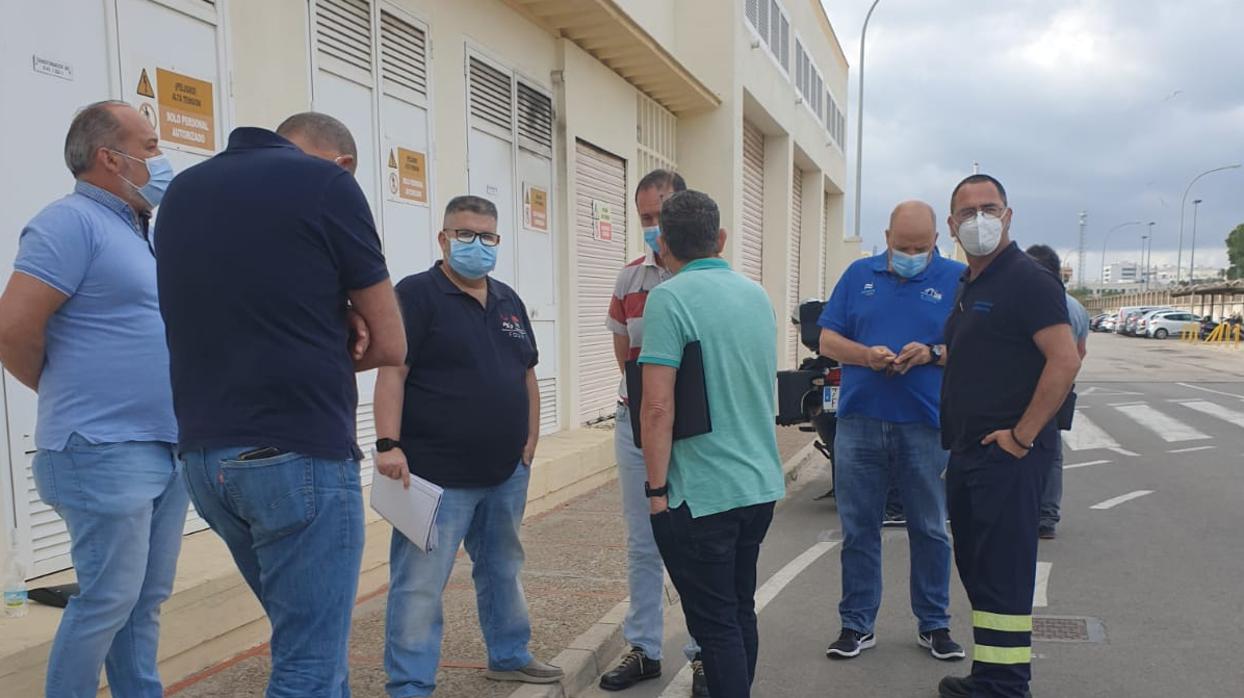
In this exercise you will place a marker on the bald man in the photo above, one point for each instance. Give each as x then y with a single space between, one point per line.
883 323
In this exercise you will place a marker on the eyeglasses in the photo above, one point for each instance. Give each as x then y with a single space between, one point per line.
467 236
992 210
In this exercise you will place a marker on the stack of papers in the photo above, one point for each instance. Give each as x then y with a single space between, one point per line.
411 511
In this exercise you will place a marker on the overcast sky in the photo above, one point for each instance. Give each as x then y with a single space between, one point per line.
1107 106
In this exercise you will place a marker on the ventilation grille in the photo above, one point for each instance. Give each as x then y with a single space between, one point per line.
535 118
343 31
548 405
492 99
403 55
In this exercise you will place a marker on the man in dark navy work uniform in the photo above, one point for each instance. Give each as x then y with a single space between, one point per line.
1010 363
464 413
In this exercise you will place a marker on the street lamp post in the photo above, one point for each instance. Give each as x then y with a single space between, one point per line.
1196 203
1107 239
1148 256
1179 258
859 123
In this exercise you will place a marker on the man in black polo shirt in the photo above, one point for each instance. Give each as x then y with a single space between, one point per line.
259 250
1010 363
464 413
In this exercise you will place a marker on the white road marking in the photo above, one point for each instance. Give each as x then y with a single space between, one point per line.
1120 499
1040 590
1095 390
1086 435
1211 390
1190 450
1166 427
1216 410
681 684
1084 465
1124 452
1126 404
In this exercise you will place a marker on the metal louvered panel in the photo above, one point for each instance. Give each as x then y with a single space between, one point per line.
657 130
548 405
752 242
762 17
365 424
535 120
783 47
343 31
49 538
403 56
752 9
796 235
492 97
824 281
600 176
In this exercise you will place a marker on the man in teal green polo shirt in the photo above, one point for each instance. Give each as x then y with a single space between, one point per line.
716 489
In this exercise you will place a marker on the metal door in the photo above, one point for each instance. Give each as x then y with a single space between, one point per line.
752 243
792 261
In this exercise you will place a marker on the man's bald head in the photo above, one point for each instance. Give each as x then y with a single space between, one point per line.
322 136
913 228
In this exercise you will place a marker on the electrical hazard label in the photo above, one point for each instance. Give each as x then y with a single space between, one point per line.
187 111
144 85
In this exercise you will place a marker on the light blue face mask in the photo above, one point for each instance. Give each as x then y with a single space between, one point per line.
650 237
159 174
472 260
908 265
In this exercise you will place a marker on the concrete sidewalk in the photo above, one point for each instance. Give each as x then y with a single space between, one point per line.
574 577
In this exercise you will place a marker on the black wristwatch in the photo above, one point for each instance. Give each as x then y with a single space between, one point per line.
386 445
935 351
661 491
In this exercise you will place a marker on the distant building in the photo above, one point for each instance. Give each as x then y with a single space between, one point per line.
1121 273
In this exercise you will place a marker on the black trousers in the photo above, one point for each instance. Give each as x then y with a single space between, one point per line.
994 501
712 562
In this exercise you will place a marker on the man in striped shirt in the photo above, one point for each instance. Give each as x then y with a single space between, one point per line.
643 627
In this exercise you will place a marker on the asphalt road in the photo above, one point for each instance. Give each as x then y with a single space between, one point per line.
1150 551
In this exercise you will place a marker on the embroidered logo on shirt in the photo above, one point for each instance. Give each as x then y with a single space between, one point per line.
512 326
869 289
931 295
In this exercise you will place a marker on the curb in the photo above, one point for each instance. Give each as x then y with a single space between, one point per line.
590 654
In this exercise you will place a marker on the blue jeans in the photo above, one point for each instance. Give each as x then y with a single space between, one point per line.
870 454
294 525
487 519
1052 495
125 509
645 619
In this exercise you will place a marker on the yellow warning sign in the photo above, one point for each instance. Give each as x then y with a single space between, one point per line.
187 112
410 173
535 208
144 85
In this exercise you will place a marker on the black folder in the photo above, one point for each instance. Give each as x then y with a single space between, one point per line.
691 417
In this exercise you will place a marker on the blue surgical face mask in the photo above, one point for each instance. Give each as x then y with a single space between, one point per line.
650 237
472 260
908 265
159 174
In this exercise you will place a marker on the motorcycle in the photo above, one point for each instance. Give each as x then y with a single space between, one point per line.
808 395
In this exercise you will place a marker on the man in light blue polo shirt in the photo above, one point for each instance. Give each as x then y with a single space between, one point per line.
884 324
716 489
80 324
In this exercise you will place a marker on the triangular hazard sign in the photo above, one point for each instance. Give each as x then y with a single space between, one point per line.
144 85
392 159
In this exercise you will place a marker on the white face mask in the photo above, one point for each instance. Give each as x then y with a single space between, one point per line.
980 236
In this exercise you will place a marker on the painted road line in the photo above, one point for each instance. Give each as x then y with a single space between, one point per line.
1216 410
1085 435
1211 390
1166 427
1190 450
1126 404
1040 590
1085 465
681 684
1109 503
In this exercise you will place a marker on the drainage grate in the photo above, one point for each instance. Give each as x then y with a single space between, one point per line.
1067 629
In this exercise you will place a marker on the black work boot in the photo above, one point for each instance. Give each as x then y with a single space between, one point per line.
634 667
960 687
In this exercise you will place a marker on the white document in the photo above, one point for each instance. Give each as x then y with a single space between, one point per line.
411 511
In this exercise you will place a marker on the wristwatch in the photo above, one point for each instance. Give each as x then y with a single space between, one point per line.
661 491
386 445
935 351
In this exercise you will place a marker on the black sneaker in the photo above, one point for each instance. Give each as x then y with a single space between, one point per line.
634 667
960 687
938 642
1046 533
894 518
699 682
850 643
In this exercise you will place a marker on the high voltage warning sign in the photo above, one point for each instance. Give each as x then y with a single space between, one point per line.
144 85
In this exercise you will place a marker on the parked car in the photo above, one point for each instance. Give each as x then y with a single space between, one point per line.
1095 321
1161 324
1108 323
1130 315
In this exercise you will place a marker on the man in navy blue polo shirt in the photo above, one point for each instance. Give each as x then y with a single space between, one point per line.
883 323
462 412
260 249
1010 363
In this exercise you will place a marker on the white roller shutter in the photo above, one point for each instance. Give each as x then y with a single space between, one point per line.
824 281
752 247
796 234
601 180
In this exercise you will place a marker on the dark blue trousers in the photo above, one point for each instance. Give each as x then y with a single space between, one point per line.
994 504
